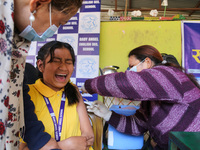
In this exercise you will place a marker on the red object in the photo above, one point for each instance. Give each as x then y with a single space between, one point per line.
6 101
166 18
2 27
2 128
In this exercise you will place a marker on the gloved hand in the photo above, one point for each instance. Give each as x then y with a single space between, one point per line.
99 109
83 89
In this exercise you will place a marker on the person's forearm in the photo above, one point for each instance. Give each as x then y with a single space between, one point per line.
23 146
90 139
74 142
52 144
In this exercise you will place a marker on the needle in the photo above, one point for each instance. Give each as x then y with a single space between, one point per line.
89 102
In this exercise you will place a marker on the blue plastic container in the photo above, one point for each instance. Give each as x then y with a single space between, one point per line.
117 140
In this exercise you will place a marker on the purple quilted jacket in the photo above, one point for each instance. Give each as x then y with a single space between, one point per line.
169 101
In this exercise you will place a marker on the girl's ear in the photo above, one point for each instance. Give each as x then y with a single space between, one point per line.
35 4
40 65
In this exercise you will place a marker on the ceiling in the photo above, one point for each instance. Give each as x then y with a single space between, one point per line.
190 9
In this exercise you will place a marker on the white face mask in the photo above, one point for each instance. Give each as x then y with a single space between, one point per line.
134 68
30 34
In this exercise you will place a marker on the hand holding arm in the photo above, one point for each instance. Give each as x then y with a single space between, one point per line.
74 143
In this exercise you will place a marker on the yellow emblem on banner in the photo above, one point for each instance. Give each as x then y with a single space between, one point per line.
196 57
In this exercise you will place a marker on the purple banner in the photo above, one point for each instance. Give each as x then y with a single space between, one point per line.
40 44
31 59
91 6
88 44
86 96
191 47
71 26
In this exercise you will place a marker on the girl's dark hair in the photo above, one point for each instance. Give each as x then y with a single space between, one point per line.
144 51
48 49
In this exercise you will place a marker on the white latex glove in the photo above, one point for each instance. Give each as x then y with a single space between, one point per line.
83 89
99 109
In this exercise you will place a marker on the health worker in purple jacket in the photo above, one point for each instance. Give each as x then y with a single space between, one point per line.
170 98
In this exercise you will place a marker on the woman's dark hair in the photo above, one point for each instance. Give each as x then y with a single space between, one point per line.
48 49
66 5
144 51
170 59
